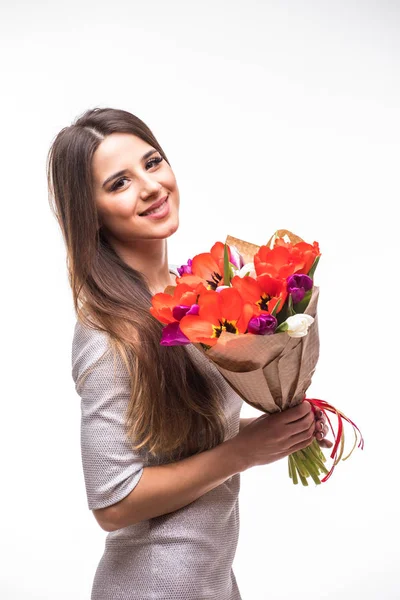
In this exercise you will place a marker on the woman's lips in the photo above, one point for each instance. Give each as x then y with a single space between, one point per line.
160 213
154 206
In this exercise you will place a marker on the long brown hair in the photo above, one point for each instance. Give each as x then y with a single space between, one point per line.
175 407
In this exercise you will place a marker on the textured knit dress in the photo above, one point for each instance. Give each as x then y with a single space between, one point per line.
183 555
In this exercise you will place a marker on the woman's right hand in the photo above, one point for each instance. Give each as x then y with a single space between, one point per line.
272 437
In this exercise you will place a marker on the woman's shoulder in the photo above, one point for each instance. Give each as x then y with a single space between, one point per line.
88 346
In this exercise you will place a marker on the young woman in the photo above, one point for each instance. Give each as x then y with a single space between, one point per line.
162 441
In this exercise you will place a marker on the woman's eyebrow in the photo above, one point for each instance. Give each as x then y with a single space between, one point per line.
123 171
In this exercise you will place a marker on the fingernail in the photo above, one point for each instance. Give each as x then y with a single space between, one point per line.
321 425
320 414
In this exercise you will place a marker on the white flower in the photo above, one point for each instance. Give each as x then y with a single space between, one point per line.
249 267
298 325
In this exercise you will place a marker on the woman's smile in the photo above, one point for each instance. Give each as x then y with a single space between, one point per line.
159 212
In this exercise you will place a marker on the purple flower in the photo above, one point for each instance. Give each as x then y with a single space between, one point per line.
264 324
173 336
298 285
185 268
178 312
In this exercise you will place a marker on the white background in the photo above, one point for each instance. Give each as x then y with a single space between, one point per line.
273 115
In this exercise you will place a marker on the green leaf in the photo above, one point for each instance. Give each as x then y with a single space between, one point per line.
282 314
291 310
313 267
282 327
301 306
273 311
232 272
227 268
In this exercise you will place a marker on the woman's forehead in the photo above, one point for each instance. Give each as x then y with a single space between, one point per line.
118 151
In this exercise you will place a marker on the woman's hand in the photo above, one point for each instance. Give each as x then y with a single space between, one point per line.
321 429
271 437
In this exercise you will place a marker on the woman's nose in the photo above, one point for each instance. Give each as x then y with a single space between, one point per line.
149 185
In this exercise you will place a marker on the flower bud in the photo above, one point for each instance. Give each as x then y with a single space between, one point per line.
298 325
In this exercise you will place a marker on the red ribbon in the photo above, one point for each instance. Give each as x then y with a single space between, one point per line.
325 406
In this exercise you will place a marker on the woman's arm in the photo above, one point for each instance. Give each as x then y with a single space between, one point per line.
121 489
246 421
165 488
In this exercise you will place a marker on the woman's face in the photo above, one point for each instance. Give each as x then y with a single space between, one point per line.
129 176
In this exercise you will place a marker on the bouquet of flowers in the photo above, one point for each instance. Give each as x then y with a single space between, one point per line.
252 311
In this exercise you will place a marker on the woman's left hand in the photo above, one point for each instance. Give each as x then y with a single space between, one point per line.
321 429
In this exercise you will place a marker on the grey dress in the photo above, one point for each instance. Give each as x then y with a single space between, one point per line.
183 555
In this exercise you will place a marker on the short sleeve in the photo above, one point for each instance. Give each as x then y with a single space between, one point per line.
111 467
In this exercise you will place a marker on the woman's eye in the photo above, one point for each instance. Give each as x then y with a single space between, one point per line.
156 160
151 162
115 185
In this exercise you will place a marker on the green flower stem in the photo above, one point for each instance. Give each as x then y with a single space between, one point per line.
319 458
300 465
316 449
313 471
301 470
308 462
303 466
303 479
293 470
311 466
